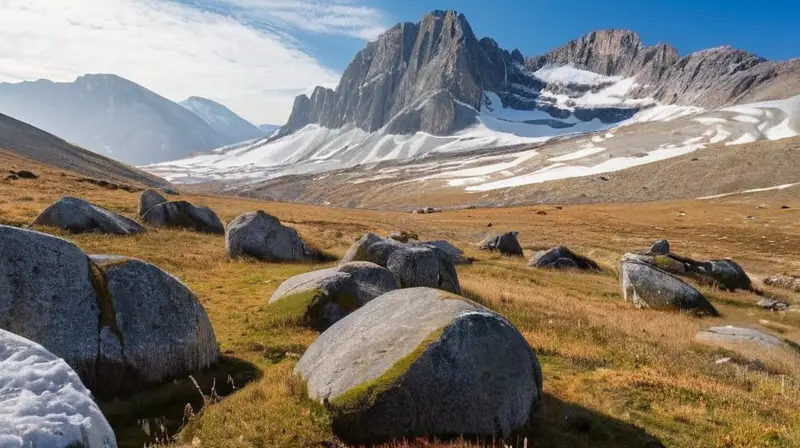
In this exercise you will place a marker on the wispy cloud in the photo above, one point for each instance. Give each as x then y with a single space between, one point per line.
243 53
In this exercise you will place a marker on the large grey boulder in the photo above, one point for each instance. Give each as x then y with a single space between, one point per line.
46 295
412 264
321 298
561 257
78 216
730 335
154 328
422 362
726 274
505 243
149 199
120 323
262 236
43 402
185 215
647 286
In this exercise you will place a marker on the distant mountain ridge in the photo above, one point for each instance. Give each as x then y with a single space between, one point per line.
222 120
114 117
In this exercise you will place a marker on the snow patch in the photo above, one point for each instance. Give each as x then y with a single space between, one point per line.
567 75
754 190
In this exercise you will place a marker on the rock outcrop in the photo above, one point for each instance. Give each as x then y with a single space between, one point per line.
790 282
505 243
119 323
78 216
262 236
422 362
412 264
647 286
726 274
321 298
149 199
43 402
182 214
562 257
730 335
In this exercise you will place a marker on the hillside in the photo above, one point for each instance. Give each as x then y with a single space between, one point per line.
111 116
224 122
614 376
31 143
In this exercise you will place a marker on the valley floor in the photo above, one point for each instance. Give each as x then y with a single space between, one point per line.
614 376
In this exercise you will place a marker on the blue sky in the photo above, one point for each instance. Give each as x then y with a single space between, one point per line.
255 56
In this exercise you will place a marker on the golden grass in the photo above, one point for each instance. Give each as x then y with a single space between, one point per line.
613 376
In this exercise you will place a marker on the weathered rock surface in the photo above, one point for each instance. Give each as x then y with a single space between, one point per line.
321 298
149 199
561 257
119 323
422 362
505 243
647 286
403 236
185 215
262 236
660 247
78 216
773 305
790 282
158 329
43 402
412 264
737 335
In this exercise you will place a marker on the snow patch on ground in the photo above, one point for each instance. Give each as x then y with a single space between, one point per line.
585 151
43 402
567 75
754 190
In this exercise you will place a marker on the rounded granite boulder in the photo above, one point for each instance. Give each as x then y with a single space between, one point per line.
321 298
505 243
647 286
43 402
422 362
562 257
185 215
262 236
78 216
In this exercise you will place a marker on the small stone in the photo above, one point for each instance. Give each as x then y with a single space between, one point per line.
541 212
604 178
785 207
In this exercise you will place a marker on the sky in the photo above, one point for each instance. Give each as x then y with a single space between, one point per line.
255 56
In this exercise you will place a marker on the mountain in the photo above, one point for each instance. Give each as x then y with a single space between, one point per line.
431 95
231 127
112 116
32 143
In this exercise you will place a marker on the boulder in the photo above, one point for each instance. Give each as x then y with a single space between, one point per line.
773 305
561 257
154 328
726 274
25 174
730 335
455 254
262 236
660 247
321 298
505 243
43 402
148 199
647 286
185 215
119 323
78 216
422 362
790 282
402 236
412 264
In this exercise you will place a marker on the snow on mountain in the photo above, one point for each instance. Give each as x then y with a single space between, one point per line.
269 129
224 122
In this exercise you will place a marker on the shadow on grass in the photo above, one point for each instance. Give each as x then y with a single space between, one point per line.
157 414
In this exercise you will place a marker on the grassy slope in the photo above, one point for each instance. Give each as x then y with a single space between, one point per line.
614 376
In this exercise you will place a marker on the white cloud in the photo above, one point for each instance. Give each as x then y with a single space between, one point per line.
244 57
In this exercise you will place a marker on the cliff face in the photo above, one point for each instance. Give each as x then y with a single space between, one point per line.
432 76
